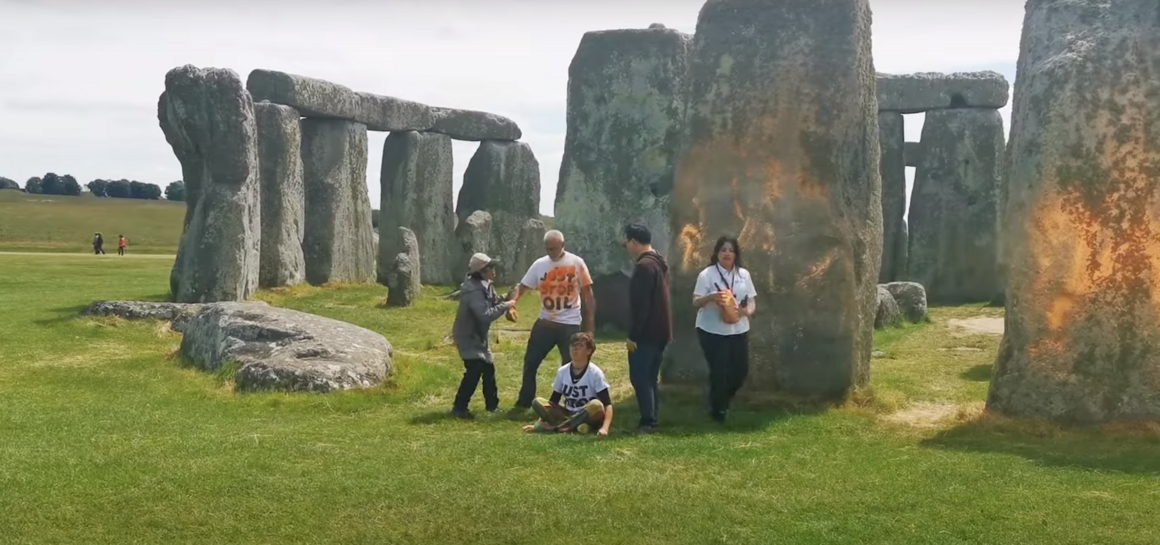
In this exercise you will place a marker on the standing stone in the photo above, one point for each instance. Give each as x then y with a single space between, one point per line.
417 194
408 244
626 108
502 178
953 206
402 291
911 299
889 315
339 239
283 203
1082 217
783 152
530 249
913 153
891 138
473 235
208 120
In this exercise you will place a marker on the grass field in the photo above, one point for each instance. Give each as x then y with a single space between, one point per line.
53 223
107 438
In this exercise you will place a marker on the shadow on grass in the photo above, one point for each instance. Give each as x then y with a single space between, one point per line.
978 373
1121 448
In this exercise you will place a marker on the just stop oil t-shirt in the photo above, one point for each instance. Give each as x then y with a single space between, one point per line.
559 284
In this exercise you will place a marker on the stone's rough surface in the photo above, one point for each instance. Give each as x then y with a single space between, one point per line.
954 206
1082 218
474 126
473 235
913 153
408 244
503 178
626 108
178 313
889 315
612 301
283 200
783 152
384 113
208 120
311 96
339 240
893 169
417 193
914 93
323 99
402 291
281 349
911 299
530 248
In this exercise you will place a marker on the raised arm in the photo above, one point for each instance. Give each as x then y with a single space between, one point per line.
483 310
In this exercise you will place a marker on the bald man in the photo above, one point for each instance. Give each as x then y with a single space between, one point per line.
566 307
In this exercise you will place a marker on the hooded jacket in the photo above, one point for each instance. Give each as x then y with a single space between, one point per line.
479 306
648 294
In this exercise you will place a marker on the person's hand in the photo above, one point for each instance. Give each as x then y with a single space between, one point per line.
719 297
601 433
529 428
631 346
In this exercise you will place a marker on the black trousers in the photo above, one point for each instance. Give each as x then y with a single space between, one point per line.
473 371
728 358
545 336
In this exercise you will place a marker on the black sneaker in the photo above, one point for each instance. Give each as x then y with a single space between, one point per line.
718 417
646 429
462 413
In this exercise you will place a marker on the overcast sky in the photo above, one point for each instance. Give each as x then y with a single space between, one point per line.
79 80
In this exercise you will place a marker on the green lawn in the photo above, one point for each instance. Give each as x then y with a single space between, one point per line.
106 438
53 223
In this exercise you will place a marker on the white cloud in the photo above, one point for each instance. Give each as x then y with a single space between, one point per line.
79 80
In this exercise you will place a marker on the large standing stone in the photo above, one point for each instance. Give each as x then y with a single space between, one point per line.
783 152
208 120
1082 219
473 235
408 244
339 239
892 141
531 247
417 194
913 154
953 206
626 108
283 200
915 93
503 178
402 290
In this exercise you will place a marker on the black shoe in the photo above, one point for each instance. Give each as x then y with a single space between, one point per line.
493 409
462 413
718 416
645 429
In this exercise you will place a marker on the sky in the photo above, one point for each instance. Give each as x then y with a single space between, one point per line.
79 79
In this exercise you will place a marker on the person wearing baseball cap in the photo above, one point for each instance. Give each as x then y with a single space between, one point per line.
479 306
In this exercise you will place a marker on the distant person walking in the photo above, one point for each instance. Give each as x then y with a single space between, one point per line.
566 307
121 243
723 322
479 307
98 244
650 323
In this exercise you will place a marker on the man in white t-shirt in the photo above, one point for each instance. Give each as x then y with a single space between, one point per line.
566 307
580 394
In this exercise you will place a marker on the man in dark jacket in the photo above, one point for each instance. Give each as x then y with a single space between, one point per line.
479 306
650 328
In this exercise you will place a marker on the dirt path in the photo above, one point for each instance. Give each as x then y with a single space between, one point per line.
79 254
980 325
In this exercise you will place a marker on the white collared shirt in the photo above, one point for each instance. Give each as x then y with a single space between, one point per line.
712 278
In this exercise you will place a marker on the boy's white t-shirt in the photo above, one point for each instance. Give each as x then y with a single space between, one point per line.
559 284
577 394
709 316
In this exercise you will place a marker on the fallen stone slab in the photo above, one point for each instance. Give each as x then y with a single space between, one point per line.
323 99
911 299
925 91
178 313
888 315
281 349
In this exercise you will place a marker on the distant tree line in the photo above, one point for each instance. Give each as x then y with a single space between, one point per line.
52 184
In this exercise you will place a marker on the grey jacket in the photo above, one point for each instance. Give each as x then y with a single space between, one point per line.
479 306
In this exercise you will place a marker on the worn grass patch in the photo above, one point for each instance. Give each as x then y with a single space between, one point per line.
107 437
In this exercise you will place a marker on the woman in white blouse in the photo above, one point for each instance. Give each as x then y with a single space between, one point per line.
725 297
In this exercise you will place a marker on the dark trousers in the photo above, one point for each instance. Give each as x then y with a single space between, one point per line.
644 368
545 336
120 251
728 358
473 371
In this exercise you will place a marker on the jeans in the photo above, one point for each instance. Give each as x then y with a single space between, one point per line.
473 371
644 367
545 336
728 358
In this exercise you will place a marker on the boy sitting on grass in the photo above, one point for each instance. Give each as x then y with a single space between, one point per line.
584 390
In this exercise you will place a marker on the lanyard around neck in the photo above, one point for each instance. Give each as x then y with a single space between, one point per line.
732 274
